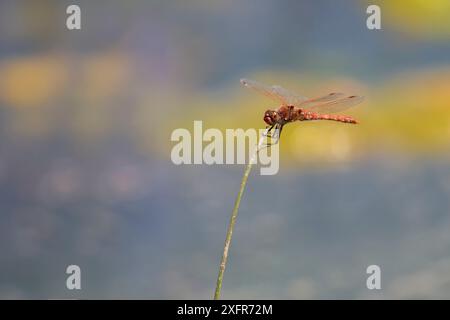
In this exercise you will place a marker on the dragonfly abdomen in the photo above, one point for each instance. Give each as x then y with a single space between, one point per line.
332 117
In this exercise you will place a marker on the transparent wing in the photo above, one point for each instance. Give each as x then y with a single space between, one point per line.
333 105
290 97
276 93
328 98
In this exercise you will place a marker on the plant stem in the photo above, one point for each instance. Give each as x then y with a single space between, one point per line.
234 214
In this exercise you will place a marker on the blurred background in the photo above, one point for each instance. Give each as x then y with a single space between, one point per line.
85 170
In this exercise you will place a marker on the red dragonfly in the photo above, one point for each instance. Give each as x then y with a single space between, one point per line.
296 107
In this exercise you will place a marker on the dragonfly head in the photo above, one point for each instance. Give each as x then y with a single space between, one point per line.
271 117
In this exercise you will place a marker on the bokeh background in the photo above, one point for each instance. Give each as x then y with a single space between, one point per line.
85 170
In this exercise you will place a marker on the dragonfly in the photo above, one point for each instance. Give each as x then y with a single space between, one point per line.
295 107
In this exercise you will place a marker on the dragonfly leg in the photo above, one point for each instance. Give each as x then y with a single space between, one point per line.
267 132
274 136
279 132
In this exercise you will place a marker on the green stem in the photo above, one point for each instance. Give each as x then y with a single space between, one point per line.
230 231
234 214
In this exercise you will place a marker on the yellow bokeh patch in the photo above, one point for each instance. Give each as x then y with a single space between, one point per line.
418 18
32 81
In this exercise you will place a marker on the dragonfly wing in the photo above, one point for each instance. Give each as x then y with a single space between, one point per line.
334 105
276 93
291 98
327 98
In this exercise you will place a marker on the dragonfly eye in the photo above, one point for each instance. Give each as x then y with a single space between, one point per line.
268 117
